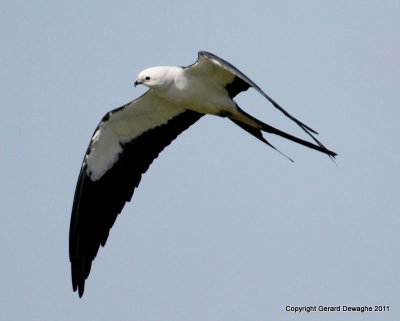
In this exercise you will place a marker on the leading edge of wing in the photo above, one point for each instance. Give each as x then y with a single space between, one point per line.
228 66
98 202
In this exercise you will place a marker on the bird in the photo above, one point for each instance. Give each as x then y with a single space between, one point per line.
129 138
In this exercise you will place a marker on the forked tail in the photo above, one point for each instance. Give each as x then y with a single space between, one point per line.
256 132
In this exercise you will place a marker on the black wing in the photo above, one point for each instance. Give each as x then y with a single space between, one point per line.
240 82
101 193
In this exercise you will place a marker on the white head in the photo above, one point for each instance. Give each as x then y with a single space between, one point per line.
156 78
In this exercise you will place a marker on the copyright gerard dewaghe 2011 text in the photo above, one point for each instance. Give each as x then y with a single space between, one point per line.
338 308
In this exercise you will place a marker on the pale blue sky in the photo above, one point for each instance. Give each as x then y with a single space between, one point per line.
222 227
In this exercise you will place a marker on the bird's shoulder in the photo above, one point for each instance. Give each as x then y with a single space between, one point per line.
122 125
220 71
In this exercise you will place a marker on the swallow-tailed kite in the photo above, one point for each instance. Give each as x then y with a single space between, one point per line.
129 138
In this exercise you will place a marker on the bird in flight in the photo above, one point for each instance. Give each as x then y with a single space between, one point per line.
129 138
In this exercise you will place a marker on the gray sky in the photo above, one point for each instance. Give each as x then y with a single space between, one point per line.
222 227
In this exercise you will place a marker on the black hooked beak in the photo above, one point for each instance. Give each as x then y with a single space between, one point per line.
137 82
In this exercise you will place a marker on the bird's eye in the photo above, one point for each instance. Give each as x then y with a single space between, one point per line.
147 78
